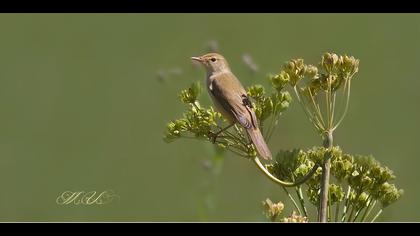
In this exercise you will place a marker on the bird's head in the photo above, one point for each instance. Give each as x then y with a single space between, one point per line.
213 62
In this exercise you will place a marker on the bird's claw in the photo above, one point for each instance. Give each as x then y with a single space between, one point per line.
212 137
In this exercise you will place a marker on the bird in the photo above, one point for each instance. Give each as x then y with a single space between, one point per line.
231 100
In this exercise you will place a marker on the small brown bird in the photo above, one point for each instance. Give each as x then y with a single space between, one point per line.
231 99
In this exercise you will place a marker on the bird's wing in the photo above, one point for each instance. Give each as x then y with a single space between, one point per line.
231 95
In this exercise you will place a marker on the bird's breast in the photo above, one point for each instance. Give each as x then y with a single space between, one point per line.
219 107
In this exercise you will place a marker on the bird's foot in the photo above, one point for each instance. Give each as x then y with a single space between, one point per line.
213 137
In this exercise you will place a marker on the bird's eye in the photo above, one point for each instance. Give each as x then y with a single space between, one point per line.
213 59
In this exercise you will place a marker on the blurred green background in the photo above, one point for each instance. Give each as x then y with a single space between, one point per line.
83 109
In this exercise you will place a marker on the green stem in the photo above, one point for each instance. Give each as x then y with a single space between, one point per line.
280 182
239 131
353 208
377 215
272 126
196 106
238 153
316 108
316 122
346 204
337 211
330 103
368 210
327 104
329 209
368 201
357 214
301 200
293 200
347 105
351 214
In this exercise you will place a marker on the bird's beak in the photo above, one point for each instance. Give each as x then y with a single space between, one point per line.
199 59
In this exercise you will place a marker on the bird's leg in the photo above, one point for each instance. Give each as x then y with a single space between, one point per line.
214 135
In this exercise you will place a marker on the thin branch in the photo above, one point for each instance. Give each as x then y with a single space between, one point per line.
337 211
328 109
298 190
368 201
316 107
346 204
333 109
307 112
368 210
330 104
351 213
347 105
293 200
280 182
377 215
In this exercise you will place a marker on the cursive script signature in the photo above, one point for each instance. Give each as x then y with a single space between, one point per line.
86 198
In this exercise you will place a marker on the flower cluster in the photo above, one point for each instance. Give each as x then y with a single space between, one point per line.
196 122
366 180
268 105
272 210
295 218
310 83
330 74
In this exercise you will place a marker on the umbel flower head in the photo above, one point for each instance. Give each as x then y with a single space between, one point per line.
272 210
295 218
196 122
366 177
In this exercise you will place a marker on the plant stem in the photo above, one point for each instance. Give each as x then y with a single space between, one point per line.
280 182
301 200
368 201
351 213
329 210
337 211
325 179
316 108
346 204
368 210
347 104
357 214
377 215
316 122
293 200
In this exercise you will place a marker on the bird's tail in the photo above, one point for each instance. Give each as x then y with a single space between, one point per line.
259 143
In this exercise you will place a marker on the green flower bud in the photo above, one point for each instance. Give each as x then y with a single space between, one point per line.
336 193
281 101
279 81
190 95
313 195
295 69
174 129
361 201
389 194
341 167
256 92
